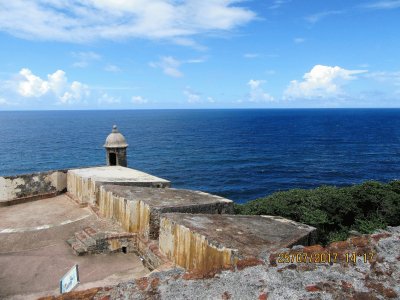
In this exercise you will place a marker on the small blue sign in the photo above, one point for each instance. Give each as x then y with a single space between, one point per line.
70 280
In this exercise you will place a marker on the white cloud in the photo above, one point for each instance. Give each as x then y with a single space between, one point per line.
211 100
192 97
195 60
390 4
389 77
76 92
112 68
251 55
321 81
299 40
169 65
278 3
4 102
107 99
84 21
84 58
139 100
257 94
29 85
321 15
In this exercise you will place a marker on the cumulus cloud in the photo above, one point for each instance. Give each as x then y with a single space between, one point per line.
257 94
321 81
83 21
107 99
192 97
139 100
75 94
169 65
29 85
211 100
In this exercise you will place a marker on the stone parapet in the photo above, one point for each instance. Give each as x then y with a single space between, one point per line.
29 187
206 243
138 209
85 183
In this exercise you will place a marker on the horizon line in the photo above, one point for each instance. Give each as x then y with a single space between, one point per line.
222 108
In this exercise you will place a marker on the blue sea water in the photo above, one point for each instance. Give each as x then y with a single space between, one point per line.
239 154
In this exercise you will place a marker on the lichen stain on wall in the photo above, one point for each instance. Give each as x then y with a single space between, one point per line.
191 250
9 188
14 187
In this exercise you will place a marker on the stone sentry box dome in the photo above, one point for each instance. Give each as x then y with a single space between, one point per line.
116 148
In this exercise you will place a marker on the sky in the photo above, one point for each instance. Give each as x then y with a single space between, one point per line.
145 54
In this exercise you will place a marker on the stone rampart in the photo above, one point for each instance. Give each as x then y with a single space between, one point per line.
23 188
139 209
378 277
85 183
205 243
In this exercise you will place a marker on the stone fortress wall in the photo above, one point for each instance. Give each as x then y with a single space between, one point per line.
198 248
203 250
162 223
28 187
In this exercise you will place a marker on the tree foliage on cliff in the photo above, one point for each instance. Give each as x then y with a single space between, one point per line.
334 211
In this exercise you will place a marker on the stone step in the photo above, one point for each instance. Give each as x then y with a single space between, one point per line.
90 231
71 241
85 239
77 246
79 249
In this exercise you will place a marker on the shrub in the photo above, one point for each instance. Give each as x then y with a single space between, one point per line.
334 211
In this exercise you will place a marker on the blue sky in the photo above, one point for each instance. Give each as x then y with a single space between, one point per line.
134 54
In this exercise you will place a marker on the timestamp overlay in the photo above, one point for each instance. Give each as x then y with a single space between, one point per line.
324 257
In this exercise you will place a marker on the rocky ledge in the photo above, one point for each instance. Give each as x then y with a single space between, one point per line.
363 267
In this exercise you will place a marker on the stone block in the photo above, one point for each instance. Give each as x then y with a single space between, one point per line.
138 209
208 242
84 183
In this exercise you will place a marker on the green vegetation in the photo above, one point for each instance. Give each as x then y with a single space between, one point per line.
334 211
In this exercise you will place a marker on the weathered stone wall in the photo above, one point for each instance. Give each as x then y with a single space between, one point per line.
150 254
210 208
206 243
86 188
121 157
377 278
27 187
139 217
191 250
82 188
132 215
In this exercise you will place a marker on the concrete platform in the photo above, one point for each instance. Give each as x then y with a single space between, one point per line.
208 242
84 183
138 209
34 254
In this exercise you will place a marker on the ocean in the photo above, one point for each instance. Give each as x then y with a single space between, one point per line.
238 154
